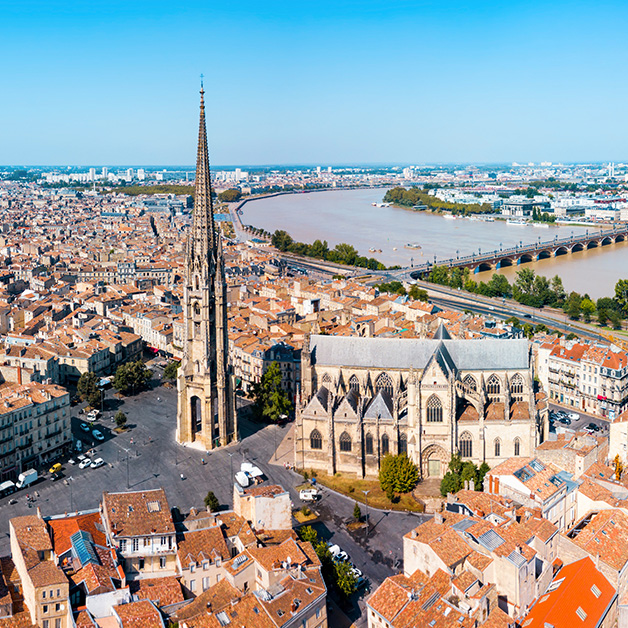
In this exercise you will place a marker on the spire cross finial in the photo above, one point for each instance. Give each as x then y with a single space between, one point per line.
201 82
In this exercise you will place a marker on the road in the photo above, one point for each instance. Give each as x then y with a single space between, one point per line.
146 456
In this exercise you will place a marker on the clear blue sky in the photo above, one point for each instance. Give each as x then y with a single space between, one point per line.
114 82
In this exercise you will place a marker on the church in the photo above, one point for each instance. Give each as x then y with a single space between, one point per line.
206 415
363 398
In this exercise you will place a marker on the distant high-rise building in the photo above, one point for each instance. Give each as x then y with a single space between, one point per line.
92 174
105 173
141 175
206 413
129 173
329 169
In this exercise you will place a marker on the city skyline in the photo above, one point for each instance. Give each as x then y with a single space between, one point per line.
401 82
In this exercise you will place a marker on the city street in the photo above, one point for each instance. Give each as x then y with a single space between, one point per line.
146 456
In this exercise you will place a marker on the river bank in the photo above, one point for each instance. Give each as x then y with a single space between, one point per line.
349 216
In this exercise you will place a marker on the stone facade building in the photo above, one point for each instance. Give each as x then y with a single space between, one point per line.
362 398
206 413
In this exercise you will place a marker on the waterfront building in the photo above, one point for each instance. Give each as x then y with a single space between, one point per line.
363 398
206 404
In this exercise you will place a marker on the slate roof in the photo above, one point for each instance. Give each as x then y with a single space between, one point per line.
380 407
467 355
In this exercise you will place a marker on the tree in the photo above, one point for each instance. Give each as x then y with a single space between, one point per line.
87 388
211 502
588 308
357 513
572 306
514 321
615 319
482 471
120 419
345 578
418 294
397 474
602 317
525 281
271 400
230 196
170 372
308 534
451 483
499 286
621 294
131 377
558 291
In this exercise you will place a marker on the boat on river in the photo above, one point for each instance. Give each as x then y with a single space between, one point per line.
517 223
412 245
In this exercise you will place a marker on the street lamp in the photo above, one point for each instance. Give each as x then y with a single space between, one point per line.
231 454
366 496
457 254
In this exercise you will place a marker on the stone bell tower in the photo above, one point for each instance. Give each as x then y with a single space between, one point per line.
206 414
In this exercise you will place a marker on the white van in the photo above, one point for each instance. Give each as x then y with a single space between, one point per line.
308 495
242 479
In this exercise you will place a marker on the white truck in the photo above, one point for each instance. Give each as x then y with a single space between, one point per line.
26 478
308 495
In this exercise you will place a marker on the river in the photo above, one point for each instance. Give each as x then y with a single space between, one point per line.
349 216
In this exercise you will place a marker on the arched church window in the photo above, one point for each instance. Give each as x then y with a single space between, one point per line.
368 444
326 378
470 382
383 382
345 442
434 410
197 309
498 448
385 444
354 383
516 387
316 440
403 444
493 385
517 447
465 444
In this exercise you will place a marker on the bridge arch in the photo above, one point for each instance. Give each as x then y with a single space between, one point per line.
578 246
544 254
505 261
561 250
592 244
620 237
525 258
606 241
482 266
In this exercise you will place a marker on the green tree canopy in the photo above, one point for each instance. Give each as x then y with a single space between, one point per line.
120 419
230 196
131 377
211 502
88 390
398 473
271 400
170 372
346 581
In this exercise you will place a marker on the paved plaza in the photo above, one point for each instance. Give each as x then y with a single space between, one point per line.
146 456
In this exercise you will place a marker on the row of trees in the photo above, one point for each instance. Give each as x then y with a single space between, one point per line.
230 196
342 253
416 196
539 291
337 574
461 472
129 377
396 287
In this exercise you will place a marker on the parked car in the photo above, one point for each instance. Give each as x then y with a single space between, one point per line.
337 553
98 435
564 420
594 427
308 495
356 572
55 468
71 461
99 462
84 427
85 463
573 416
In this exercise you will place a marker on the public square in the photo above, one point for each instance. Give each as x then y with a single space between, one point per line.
146 456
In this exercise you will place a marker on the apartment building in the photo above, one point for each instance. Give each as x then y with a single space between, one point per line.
592 378
35 426
536 485
140 526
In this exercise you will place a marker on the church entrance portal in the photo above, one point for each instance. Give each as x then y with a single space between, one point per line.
434 460
196 414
